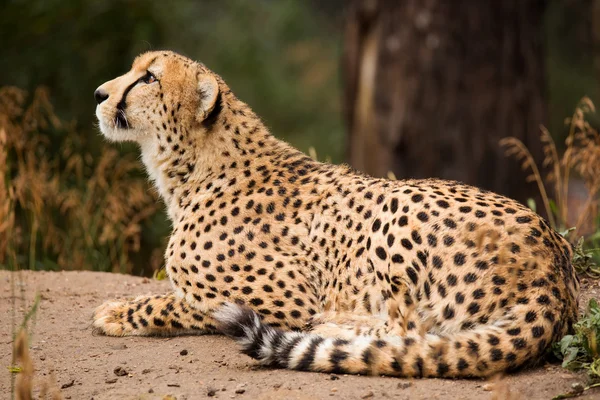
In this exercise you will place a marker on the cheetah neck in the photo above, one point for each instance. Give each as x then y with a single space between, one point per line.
189 162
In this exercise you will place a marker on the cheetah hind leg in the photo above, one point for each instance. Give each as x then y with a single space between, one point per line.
165 315
345 325
399 321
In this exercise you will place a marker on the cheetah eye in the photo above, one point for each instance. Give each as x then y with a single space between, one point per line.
148 78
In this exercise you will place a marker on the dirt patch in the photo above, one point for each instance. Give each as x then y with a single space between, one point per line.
199 367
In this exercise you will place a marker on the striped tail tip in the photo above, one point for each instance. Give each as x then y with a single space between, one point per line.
237 322
257 340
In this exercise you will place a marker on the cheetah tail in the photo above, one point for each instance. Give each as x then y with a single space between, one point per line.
483 352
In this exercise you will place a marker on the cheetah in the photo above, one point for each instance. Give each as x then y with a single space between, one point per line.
316 267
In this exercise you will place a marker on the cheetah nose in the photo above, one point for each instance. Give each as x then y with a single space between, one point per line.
100 96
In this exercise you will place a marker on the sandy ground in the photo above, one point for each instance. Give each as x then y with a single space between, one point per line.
198 367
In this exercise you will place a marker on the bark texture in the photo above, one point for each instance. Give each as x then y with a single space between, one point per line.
431 86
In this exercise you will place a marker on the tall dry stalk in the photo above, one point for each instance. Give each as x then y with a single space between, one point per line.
585 160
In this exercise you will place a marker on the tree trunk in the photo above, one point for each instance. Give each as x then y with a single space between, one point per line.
431 86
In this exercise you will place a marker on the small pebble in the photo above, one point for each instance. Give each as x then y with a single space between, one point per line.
183 352
577 387
240 388
68 385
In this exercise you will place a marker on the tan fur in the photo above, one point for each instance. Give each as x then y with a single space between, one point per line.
424 277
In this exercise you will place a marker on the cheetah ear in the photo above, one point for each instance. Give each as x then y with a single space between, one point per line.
208 91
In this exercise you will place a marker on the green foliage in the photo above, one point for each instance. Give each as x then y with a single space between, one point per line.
585 259
531 204
31 314
160 274
581 350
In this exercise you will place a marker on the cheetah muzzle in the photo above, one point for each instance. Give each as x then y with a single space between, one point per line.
315 267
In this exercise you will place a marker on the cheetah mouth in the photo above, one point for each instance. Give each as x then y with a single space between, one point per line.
121 120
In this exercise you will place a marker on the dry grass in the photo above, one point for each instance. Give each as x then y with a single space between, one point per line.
61 208
581 161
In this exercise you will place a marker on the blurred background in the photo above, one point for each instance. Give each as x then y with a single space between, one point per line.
397 88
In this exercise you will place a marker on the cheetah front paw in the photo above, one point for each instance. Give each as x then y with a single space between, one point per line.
151 315
110 319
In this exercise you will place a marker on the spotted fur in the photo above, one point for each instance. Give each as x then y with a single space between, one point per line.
316 267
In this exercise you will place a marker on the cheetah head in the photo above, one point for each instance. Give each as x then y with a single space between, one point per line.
161 92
